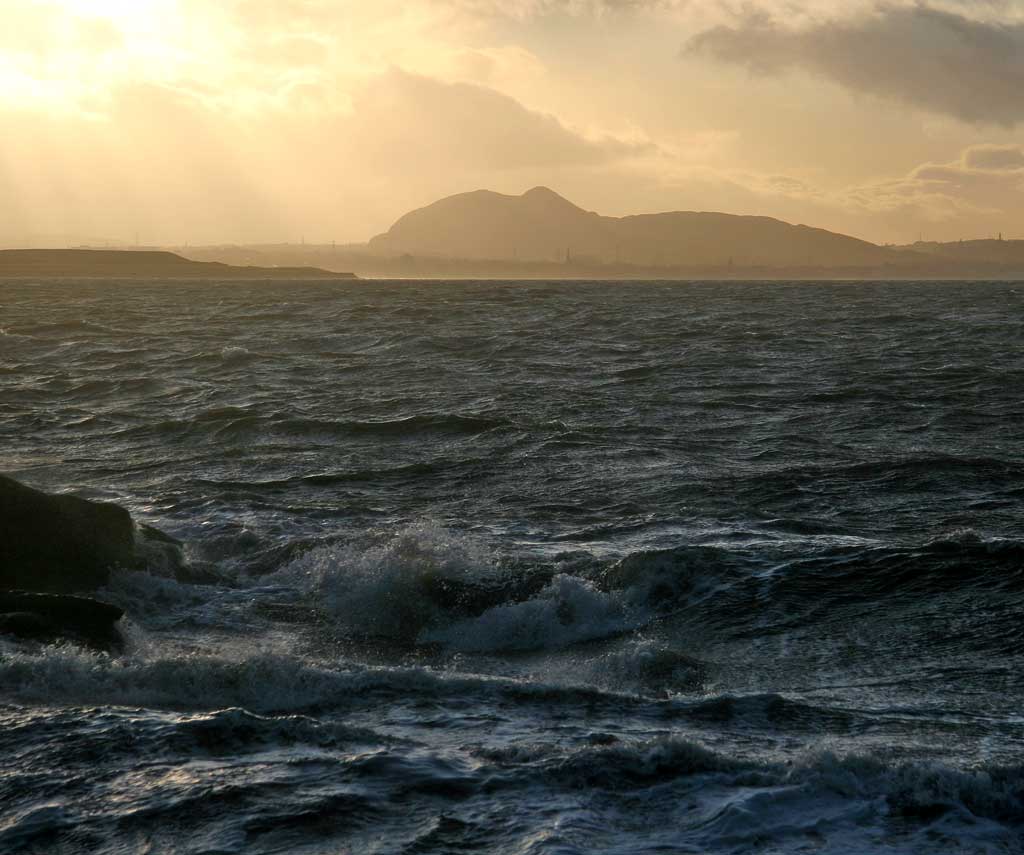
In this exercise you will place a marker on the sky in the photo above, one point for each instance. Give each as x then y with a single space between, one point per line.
245 121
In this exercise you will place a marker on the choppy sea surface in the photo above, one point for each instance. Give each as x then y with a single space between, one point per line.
529 567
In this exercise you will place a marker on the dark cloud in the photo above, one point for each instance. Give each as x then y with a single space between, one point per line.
933 59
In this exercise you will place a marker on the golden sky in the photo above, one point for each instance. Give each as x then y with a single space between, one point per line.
207 121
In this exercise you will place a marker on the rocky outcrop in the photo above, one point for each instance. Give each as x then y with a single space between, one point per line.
48 618
60 544
163 555
52 547
64 544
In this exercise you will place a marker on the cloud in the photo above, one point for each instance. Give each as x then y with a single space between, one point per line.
979 193
998 158
269 119
986 177
937 60
523 9
403 117
171 163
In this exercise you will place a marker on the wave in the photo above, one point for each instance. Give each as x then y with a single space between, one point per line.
914 471
373 475
119 733
949 563
427 585
921 791
59 327
770 713
235 353
242 777
236 422
396 585
412 425
21 828
694 797
640 666
567 611
773 586
265 682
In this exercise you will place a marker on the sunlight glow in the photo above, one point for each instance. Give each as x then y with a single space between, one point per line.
130 14
71 52
251 119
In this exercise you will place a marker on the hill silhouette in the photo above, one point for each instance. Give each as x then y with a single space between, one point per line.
540 225
990 251
138 264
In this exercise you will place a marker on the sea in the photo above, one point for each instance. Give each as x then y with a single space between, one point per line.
528 567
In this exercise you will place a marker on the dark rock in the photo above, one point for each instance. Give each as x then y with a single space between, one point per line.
162 554
81 610
64 544
60 543
154 535
26 625
55 617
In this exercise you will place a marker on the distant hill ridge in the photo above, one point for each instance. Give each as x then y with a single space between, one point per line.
134 264
991 250
541 225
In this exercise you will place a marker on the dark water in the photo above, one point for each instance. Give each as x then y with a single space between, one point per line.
529 568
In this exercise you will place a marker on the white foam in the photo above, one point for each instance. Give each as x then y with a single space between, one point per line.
234 353
383 587
569 610
642 666
154 677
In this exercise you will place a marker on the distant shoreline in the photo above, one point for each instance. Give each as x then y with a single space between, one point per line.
139 265
162 265
710 276
370 265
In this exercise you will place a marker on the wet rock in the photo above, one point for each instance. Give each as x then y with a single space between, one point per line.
159 538
27 625
163 555
64 544
60 543
58 617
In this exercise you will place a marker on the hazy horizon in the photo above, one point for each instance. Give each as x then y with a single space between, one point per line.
171 123
81 241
